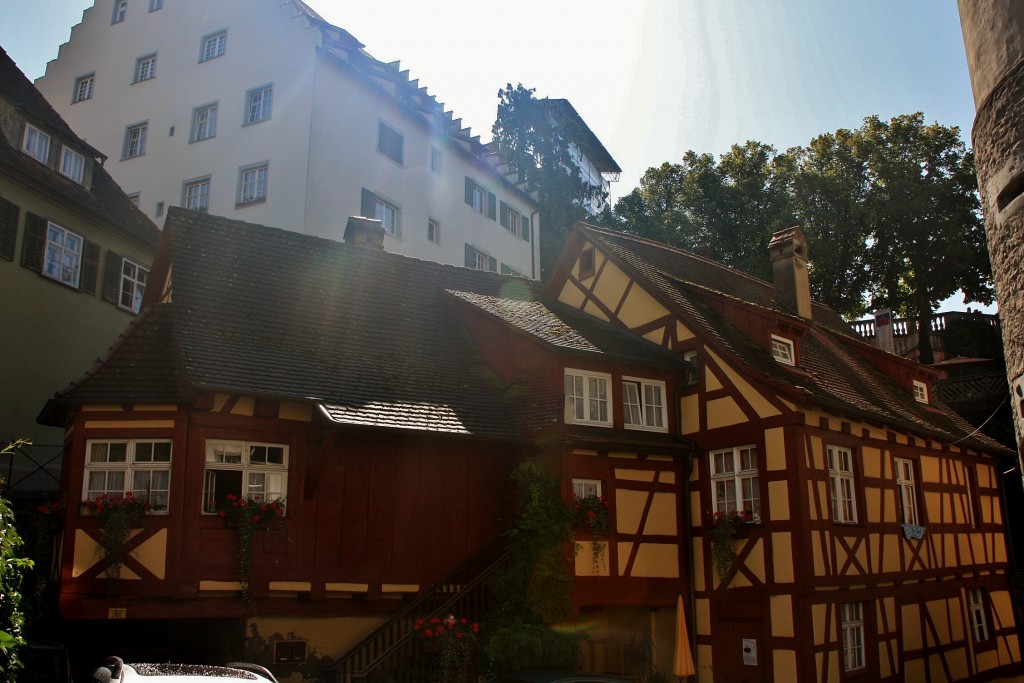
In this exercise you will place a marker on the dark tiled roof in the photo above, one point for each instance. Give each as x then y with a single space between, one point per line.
832 372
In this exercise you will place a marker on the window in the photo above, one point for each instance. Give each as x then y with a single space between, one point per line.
782 350
213 46
390 142
480 200
840 475
252 183
852 616
258 104
387 213
976 607
587 488
145 68
907 490
433 231
643 404
36 143
515 222
72 164
63 259
586 398
9 218
134 198
920 392
133 285
204 123
480 260
142 467
195 194
736 482
120 9
691 358
289 651
586 263
83 88
435 160
159 209
135 141
154 5
246 469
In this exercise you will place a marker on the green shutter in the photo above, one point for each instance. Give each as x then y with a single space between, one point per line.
368 207
492 206
492 264
34 245
9 213
470 256
503 215
90 267
469 190
526 227
112 278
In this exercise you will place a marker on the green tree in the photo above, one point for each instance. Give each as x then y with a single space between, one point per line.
539 149
13 568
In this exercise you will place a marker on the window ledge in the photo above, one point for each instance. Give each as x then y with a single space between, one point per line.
242 205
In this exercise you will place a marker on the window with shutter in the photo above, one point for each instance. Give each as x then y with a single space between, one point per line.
34 244
9 212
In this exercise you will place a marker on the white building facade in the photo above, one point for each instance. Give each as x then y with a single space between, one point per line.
260 110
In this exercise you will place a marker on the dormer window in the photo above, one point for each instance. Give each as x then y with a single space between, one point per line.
587 396
691 360
920 392
72 164
36 143
782 350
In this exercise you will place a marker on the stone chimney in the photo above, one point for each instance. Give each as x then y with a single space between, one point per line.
788 250
364 231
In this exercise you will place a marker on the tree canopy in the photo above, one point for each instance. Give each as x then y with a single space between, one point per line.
890 210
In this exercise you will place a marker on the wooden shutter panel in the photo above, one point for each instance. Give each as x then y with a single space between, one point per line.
470 257
469 190
112 278
90 267
526 227
503 215
368 204
492 206
492 264
9 212
34 245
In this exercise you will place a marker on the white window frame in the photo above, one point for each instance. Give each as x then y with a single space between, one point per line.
135 140
906 488
736 481
389 214
435 160
851 615
36 144
226 455
133 467
976 609
213 45
259 104
783 350
386 139
63 256
588 397
195 194
204 123
133 285
512 220
120 11
433 231
145 68
84 86
920 392
253 183
643 404
587 488
842 484
479 195
72 164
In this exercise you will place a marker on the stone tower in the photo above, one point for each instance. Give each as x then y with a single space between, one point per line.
994 38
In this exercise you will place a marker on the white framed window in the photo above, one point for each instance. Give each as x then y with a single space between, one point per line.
133 285
388 214
782 350
204 123
841 484
480 199
692 360
390 143
480 260
643 404
159 209
195 194
72 164
83 88
252 183
247 469
907 489
435 160
920 392
258 104
852 620
135 140
433 231
154 5
120 10
213 46
587 488
134 198
736 481
63 260
118 466
36 143
587 398
976 608
145 68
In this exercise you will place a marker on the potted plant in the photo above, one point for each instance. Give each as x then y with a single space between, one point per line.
726 527
247 514
116 516
454 642
591 513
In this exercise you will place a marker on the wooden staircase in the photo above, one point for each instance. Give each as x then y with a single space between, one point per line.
392 653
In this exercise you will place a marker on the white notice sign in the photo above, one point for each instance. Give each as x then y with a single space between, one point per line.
750 652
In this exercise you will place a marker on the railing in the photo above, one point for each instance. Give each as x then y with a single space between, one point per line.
28 468
392 652
906 327
955 391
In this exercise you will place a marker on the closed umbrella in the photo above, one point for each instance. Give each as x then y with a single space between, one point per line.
683 663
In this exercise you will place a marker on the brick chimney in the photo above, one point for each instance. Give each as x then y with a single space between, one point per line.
788 250
364 231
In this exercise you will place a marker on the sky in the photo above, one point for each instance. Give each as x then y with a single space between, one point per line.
652 78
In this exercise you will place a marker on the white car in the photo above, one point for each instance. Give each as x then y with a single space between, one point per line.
116 671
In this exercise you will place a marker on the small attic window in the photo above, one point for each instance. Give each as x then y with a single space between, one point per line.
586 263
920 392
782 350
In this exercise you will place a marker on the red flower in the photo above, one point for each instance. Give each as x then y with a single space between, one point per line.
428 633
222 513
255 518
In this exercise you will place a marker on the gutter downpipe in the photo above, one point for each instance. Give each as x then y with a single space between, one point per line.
535 245
694 451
